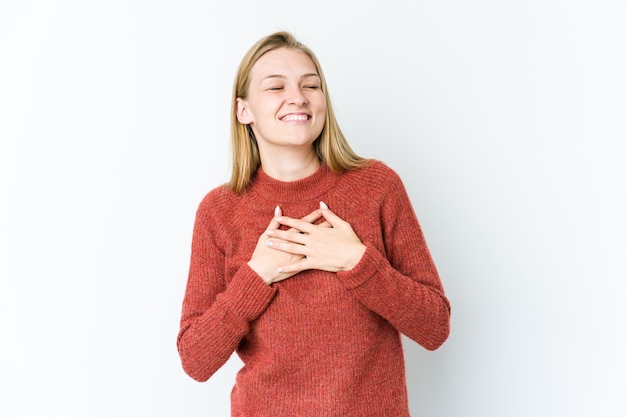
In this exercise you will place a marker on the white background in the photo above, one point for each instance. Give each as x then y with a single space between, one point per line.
506 120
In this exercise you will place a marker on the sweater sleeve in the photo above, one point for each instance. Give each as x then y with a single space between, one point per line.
402 284
215 316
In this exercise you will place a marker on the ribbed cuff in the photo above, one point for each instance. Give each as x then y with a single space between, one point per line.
247 294
364 270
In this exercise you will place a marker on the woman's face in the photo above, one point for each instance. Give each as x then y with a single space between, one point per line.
285 105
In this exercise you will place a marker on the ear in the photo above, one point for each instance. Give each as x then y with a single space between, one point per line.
243 114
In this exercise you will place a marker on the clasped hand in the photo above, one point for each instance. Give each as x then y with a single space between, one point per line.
331 246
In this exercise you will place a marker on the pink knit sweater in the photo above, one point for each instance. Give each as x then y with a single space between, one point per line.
318 344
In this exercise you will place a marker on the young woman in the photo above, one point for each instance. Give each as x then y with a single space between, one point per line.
310 262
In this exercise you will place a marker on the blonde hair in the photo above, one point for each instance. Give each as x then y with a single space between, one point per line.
331 146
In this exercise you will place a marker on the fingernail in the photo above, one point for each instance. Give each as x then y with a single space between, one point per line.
269 232
281 270
323 205
278 219
268 242
277 211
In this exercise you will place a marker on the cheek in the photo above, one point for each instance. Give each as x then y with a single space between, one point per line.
321 114
263 106
322 106
320 98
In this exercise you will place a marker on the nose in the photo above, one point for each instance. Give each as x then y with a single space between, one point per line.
297 97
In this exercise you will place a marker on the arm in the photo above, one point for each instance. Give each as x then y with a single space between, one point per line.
402 285
215 315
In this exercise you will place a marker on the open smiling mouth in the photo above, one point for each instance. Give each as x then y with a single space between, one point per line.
295 117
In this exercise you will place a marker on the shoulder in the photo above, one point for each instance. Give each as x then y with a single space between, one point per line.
217 201
375 173
377 183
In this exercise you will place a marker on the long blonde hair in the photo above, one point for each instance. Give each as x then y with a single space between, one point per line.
331 146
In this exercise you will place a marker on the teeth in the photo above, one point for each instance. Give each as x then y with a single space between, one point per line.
296 117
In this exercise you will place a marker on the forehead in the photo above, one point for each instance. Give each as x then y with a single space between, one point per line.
284 62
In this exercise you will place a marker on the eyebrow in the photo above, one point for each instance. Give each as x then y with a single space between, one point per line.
312 74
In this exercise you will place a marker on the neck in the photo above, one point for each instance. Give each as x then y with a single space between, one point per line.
290 165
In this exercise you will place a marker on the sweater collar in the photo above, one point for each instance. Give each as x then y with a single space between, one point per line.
307 188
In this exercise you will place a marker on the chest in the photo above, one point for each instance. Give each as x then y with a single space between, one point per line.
248 224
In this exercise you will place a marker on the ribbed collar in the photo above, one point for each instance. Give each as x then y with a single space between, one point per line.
304 189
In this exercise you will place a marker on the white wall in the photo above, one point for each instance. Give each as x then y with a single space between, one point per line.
505 119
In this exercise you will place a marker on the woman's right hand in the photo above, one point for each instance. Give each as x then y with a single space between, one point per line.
265 261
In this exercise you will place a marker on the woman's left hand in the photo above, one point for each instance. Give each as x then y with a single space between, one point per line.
335 248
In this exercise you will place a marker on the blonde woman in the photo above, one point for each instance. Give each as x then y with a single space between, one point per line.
310 262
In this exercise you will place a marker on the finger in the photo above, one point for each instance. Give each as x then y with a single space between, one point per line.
273 223
312 217
325 224
286 246
295 268
328 214
297 224
291 235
